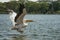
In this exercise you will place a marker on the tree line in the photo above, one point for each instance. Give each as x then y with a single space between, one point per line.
32 7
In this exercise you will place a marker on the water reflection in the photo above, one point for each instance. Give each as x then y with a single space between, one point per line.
21 37
26 37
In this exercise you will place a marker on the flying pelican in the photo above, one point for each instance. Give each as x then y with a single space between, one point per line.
18 18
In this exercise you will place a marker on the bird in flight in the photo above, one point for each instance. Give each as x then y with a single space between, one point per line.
18 18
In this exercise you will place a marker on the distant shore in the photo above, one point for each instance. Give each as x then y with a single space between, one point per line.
32 7
34 13
4 13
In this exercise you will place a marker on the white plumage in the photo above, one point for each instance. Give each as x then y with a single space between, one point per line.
21 23
12 17
20 26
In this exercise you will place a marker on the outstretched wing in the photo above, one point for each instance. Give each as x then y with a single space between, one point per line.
20 25
21 17
12 17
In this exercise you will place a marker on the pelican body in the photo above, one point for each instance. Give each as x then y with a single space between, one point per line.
18 19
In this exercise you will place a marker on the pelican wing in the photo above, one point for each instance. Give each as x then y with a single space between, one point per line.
12 17
21 17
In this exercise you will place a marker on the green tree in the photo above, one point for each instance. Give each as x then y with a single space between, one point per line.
44 7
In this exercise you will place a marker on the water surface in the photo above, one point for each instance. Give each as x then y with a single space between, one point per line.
44 27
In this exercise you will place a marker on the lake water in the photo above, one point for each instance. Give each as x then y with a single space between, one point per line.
44 27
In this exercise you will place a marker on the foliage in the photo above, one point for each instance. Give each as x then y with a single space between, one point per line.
32 7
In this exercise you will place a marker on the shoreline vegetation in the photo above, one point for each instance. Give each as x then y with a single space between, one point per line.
32 7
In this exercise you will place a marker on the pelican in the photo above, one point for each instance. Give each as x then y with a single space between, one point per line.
18 20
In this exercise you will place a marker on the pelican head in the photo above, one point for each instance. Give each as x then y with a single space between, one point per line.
9 10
